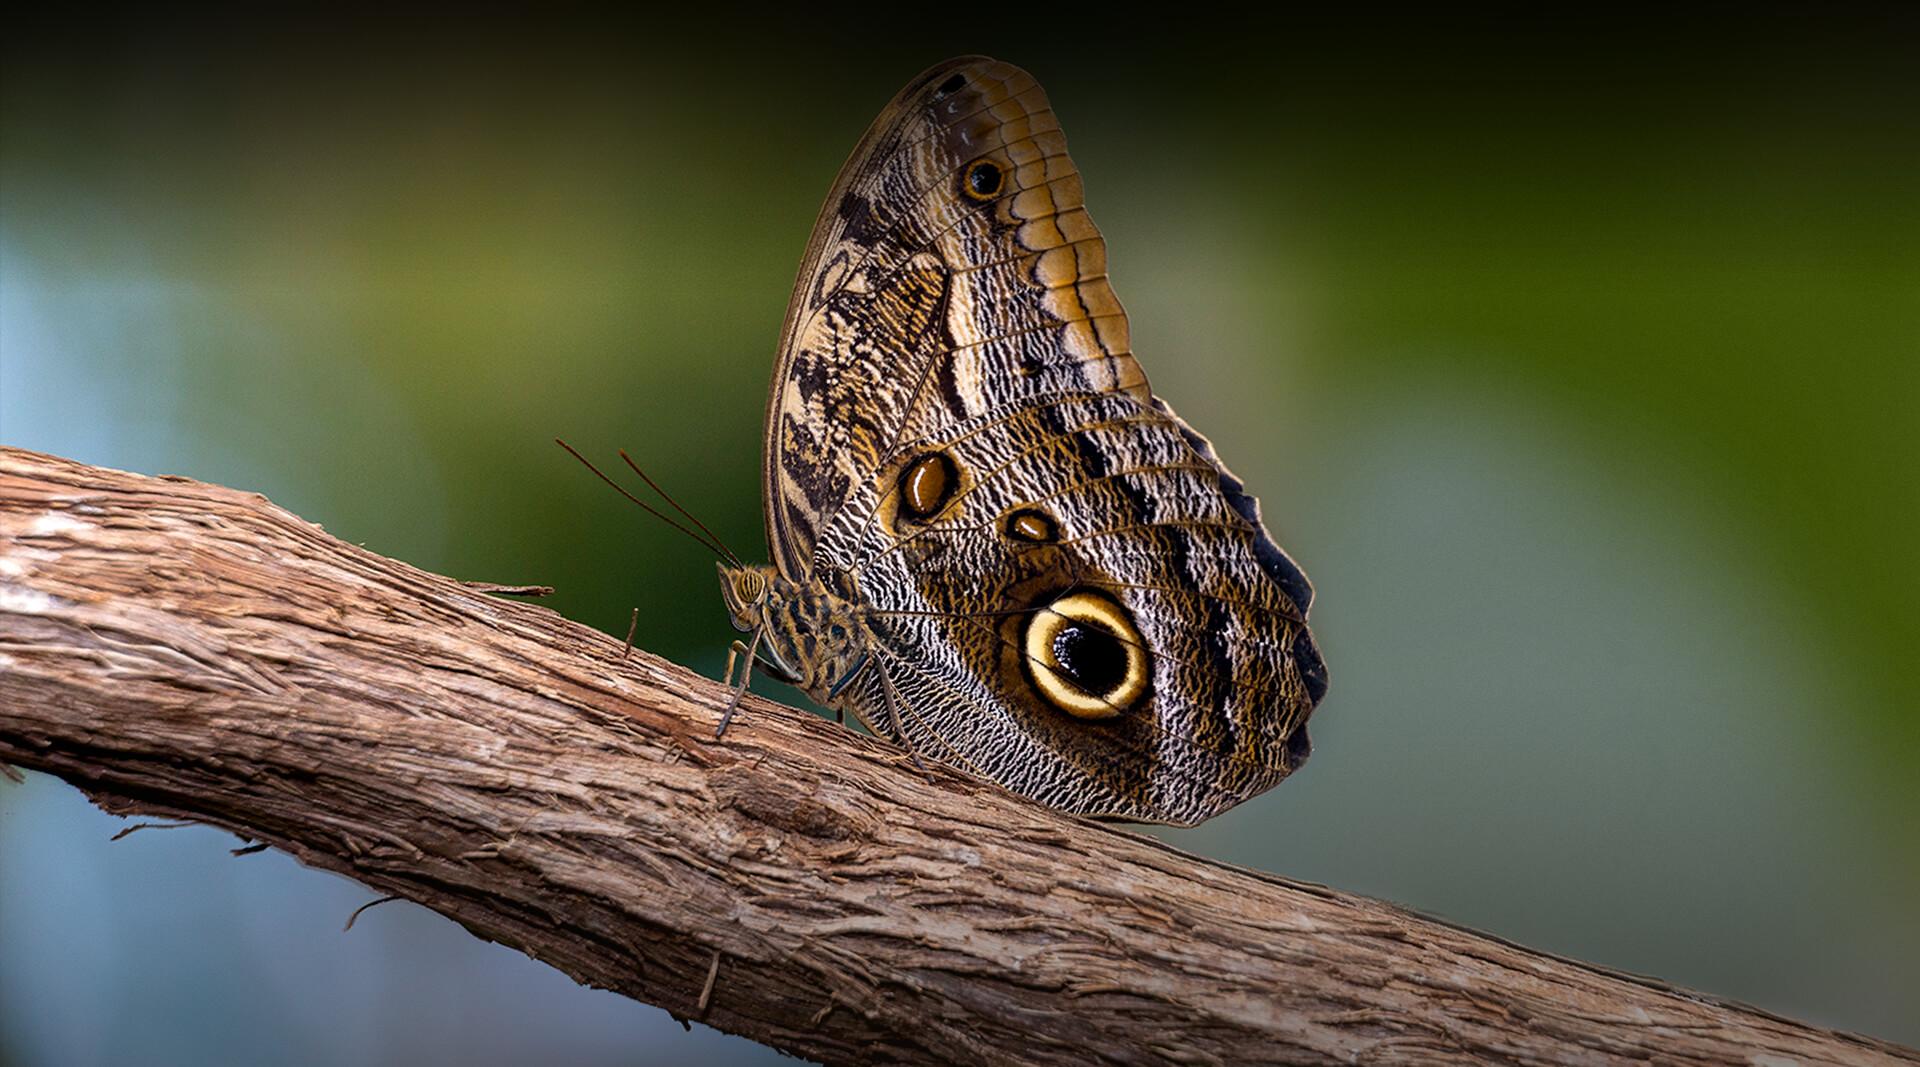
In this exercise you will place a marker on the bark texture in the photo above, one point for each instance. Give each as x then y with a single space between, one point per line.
187 650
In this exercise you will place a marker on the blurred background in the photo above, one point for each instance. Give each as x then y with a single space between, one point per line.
1576 361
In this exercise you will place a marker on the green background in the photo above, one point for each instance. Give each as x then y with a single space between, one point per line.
1575 360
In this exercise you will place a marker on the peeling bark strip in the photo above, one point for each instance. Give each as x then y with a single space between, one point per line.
189 651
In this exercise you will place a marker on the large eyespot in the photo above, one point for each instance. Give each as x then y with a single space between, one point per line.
983 180
1085 656
926 484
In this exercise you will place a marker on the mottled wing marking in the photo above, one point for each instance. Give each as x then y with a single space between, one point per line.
853 371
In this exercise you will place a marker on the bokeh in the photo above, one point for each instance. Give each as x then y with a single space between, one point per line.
1578 362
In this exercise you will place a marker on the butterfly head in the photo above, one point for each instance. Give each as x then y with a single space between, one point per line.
745 589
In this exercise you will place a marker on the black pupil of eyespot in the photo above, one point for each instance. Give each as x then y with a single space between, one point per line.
952 84
984 179
1090 657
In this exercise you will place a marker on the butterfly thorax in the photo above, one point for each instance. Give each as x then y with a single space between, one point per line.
807 634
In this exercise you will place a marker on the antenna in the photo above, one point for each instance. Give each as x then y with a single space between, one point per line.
714 546
676 506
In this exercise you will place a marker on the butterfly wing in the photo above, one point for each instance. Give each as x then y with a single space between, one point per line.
1070 593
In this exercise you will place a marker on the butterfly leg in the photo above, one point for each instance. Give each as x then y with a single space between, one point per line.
632 625
733 653
833 694
746 675
893 719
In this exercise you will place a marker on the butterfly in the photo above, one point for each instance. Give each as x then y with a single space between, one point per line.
991 542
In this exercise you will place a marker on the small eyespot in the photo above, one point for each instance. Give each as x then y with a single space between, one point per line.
1085 656
1032 526
983 180
953 84
926 484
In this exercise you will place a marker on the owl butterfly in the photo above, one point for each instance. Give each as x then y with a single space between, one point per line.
991 542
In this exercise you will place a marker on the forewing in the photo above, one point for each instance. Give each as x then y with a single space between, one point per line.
912 284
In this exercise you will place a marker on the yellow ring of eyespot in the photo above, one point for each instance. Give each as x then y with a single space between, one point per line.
1055 683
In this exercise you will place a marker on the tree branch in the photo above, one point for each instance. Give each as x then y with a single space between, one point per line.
191 651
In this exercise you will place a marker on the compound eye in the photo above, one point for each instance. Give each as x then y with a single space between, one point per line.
1085 656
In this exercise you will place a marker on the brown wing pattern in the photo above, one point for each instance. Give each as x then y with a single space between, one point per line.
954 303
